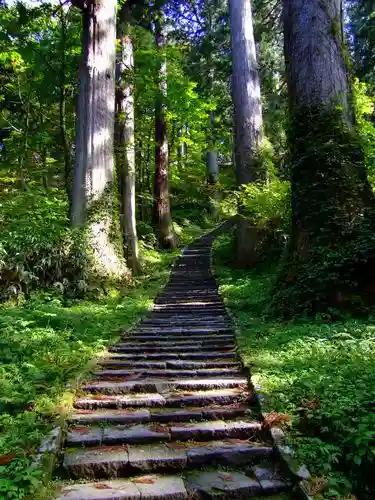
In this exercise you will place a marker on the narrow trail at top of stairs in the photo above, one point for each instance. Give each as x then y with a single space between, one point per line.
169 414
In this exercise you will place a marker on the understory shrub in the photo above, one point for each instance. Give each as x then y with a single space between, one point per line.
37 248
320 373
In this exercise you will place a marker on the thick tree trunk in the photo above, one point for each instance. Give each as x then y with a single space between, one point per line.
162 213
330 259
25 147
92 198
247 119
246 94
212 163
62 110
125 139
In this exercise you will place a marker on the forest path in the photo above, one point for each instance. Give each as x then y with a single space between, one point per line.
170 414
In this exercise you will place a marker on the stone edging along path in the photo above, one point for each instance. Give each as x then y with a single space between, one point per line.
171 414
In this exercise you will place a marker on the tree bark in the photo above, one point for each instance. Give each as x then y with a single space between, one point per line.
92 199
246 94
212 163
162 213
62 109
329 262
247 119
125 138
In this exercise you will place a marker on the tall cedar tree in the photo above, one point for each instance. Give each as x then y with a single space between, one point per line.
162 213
125 137
92 199
330 259
247 116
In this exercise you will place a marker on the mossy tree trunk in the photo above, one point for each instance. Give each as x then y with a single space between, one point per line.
92 197
247 119
329 262
162 218
125 137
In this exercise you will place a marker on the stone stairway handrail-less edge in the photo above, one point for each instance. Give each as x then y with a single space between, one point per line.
170 413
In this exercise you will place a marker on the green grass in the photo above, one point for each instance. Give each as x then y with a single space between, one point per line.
46 344
322 375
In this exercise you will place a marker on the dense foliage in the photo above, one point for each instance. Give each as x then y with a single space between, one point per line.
318 372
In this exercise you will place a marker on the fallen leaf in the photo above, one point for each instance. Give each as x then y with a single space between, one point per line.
158 428
103 397
144 480
6 459
81 430
102 486
132 377
275 419
226 477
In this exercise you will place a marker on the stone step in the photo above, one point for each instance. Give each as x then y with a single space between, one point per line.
193 301
169 364
150 385
191 356
187 347
190 286
188 321
214 412
186 314
223 484
152 340
179 336
175 431
125 461
208 372
202 295
173 399
258 482
150 487
220 338
183 330
193 306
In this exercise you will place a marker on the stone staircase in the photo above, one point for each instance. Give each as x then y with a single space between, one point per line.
169 414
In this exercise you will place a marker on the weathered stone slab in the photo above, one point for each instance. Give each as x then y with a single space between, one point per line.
209 355
162 488
185 364
135 434
114 401
115 416
219 396
149 458
270 479
210 383
176 415
200 431
117 361
106 490
84 436
225 412
99 462
223 485
225 452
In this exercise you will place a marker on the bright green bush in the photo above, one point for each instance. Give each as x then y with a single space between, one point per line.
36 245
365 109
267 202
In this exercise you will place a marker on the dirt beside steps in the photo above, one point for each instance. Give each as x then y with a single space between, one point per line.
169 414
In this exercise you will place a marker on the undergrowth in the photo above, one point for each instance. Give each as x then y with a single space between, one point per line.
321 374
